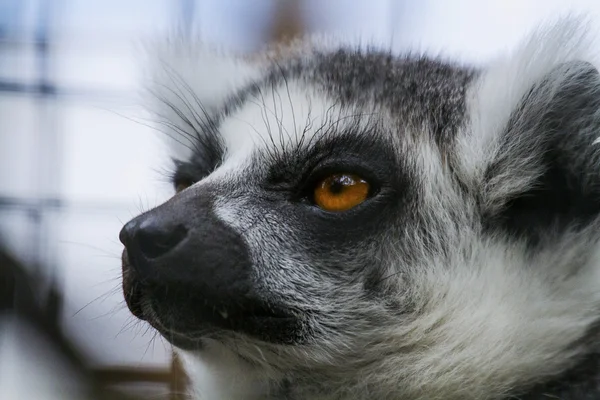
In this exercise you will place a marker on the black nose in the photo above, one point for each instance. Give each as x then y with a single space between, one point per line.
151 237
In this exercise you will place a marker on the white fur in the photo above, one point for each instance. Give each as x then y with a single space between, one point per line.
218 374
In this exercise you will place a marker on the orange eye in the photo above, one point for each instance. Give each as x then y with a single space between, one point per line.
341 192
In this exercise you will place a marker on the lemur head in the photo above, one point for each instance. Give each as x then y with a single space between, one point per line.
349 223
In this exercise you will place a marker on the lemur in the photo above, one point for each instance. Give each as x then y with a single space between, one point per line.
351 223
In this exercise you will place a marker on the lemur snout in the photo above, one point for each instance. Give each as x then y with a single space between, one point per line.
180 257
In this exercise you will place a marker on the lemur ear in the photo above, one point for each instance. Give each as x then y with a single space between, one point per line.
544 173
187 83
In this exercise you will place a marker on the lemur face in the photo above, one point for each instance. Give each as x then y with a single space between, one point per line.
274 225
343 213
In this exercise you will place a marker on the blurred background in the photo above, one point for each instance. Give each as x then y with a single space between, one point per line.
75 164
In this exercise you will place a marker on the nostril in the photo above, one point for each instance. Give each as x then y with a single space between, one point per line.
154 241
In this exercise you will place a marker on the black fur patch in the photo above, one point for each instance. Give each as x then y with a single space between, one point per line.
207 154
580 383
336 241
559 133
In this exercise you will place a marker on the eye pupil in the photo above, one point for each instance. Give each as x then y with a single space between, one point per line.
338 184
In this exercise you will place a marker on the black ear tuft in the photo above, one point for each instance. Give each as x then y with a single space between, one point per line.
548 152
